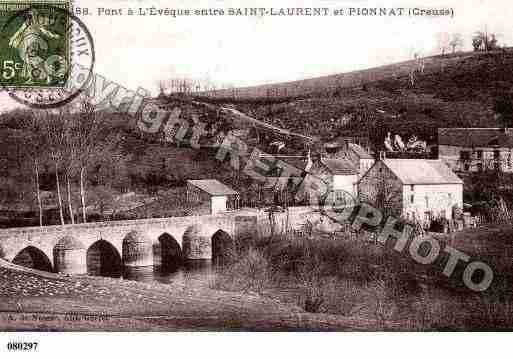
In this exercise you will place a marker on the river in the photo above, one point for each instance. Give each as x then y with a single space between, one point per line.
190 274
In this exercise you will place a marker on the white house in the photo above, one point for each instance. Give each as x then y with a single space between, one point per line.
412 188
340 174
219 197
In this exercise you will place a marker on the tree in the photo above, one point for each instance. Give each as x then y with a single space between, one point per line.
34 144
492 42
387 196
482 41
477 43
443 40
88 137
456 41
55 128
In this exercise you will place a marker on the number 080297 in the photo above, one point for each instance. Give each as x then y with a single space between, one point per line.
22 346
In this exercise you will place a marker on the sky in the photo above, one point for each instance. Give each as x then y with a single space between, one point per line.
139 51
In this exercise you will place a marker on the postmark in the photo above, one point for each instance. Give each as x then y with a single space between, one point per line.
46 53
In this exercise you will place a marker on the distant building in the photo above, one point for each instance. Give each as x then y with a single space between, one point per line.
361 159
417 189
219 197
476 149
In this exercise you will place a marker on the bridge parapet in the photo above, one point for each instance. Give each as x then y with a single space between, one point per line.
238 225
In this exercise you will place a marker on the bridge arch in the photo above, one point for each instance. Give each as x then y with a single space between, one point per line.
167 253
223 247
103 259
32 257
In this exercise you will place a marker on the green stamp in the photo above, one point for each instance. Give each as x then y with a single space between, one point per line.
34 44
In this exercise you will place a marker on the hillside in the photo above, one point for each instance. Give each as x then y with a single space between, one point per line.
457 90
454 91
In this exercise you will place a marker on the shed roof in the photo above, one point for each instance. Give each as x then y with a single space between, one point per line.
213 187
339 166
476 137
421 171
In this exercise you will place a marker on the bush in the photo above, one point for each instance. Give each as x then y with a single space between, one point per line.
249 274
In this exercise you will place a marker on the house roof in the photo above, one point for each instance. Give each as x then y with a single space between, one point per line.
476 137
213 187
360 151
421 171
339 166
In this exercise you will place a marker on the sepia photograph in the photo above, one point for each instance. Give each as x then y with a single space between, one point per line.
171 166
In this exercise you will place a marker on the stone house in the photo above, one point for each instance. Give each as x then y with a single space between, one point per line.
476 149
361 159
219 197
416 189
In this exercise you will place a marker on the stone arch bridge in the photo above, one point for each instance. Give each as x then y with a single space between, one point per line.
102 248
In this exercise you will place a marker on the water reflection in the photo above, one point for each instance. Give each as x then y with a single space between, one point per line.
192 273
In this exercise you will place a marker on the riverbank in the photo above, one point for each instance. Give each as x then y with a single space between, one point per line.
35 300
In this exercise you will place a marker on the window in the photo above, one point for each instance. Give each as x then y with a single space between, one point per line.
466 166
442 213
496 154
412 187
412 198
427 201
480 167
479 154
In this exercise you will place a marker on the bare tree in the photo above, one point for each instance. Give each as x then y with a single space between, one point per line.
87 139
162 88
387 196
34 145
456 41
56 128
443 40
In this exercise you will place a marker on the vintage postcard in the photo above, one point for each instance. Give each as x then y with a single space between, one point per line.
224 166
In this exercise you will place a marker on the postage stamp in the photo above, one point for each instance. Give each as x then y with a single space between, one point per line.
46 53
34 47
